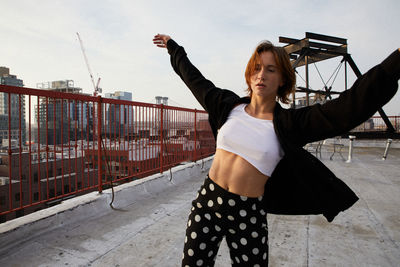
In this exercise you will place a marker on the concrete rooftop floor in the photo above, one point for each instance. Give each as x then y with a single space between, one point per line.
149 230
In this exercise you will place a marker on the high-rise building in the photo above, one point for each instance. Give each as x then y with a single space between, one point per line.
61 120
120 95
12 109
119 118
163 100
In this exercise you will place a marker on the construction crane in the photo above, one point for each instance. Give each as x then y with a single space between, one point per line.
96 87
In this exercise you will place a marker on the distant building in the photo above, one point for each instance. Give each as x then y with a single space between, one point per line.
119 118
41 176
61 120
13 110
161 100
136 159
166 114
120 95
302 101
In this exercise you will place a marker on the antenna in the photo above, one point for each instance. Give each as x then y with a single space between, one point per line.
95 86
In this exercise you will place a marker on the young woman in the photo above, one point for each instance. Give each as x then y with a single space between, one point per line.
260 165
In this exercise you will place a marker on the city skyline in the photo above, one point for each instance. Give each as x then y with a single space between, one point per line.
218 37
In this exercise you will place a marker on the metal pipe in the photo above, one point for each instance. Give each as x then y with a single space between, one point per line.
47 149
30 151
307 83
62 146
97 118
54 146
10 184
388 142
162 138
351 139
20 152
345 75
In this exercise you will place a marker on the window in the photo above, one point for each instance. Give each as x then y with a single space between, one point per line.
18 196
2 200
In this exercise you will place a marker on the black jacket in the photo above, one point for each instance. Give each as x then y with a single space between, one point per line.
301 184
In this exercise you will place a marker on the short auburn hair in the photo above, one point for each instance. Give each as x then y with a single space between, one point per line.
283 64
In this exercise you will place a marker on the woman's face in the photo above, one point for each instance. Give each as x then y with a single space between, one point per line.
267 78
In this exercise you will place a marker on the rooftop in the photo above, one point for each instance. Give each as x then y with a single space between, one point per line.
147 225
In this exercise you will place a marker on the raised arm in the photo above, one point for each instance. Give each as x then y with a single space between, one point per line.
370 92
206 93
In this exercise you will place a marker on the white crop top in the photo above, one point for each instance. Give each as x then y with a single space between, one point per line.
252 139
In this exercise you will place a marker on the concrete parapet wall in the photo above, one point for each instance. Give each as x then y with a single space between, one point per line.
93 204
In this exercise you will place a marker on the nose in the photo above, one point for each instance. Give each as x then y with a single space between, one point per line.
261 74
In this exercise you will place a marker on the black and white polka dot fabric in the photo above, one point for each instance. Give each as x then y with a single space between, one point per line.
217 213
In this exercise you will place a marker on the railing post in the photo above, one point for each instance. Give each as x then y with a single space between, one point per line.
99 142
195 135
162 139
351 139
10 184
388 142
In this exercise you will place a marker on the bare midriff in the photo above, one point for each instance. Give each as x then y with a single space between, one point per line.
236 175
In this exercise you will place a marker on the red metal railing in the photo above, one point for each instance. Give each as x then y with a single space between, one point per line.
376 124
70 144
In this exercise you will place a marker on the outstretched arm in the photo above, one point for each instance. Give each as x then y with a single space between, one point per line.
370 92
190 75
206 93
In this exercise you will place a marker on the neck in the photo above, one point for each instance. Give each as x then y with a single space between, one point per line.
261 106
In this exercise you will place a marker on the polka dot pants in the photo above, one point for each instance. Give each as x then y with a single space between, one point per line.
217 213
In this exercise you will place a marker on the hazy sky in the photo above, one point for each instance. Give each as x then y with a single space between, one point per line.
39 41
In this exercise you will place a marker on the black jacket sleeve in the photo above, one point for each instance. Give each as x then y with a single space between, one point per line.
216 101
190 75
370 92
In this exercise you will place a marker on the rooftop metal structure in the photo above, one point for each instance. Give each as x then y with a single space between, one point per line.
315 48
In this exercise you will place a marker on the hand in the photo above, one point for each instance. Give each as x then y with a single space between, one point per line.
161 40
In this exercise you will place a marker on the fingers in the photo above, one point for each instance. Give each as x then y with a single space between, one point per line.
159 43
160 40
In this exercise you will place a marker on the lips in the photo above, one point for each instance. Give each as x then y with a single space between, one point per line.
260 85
